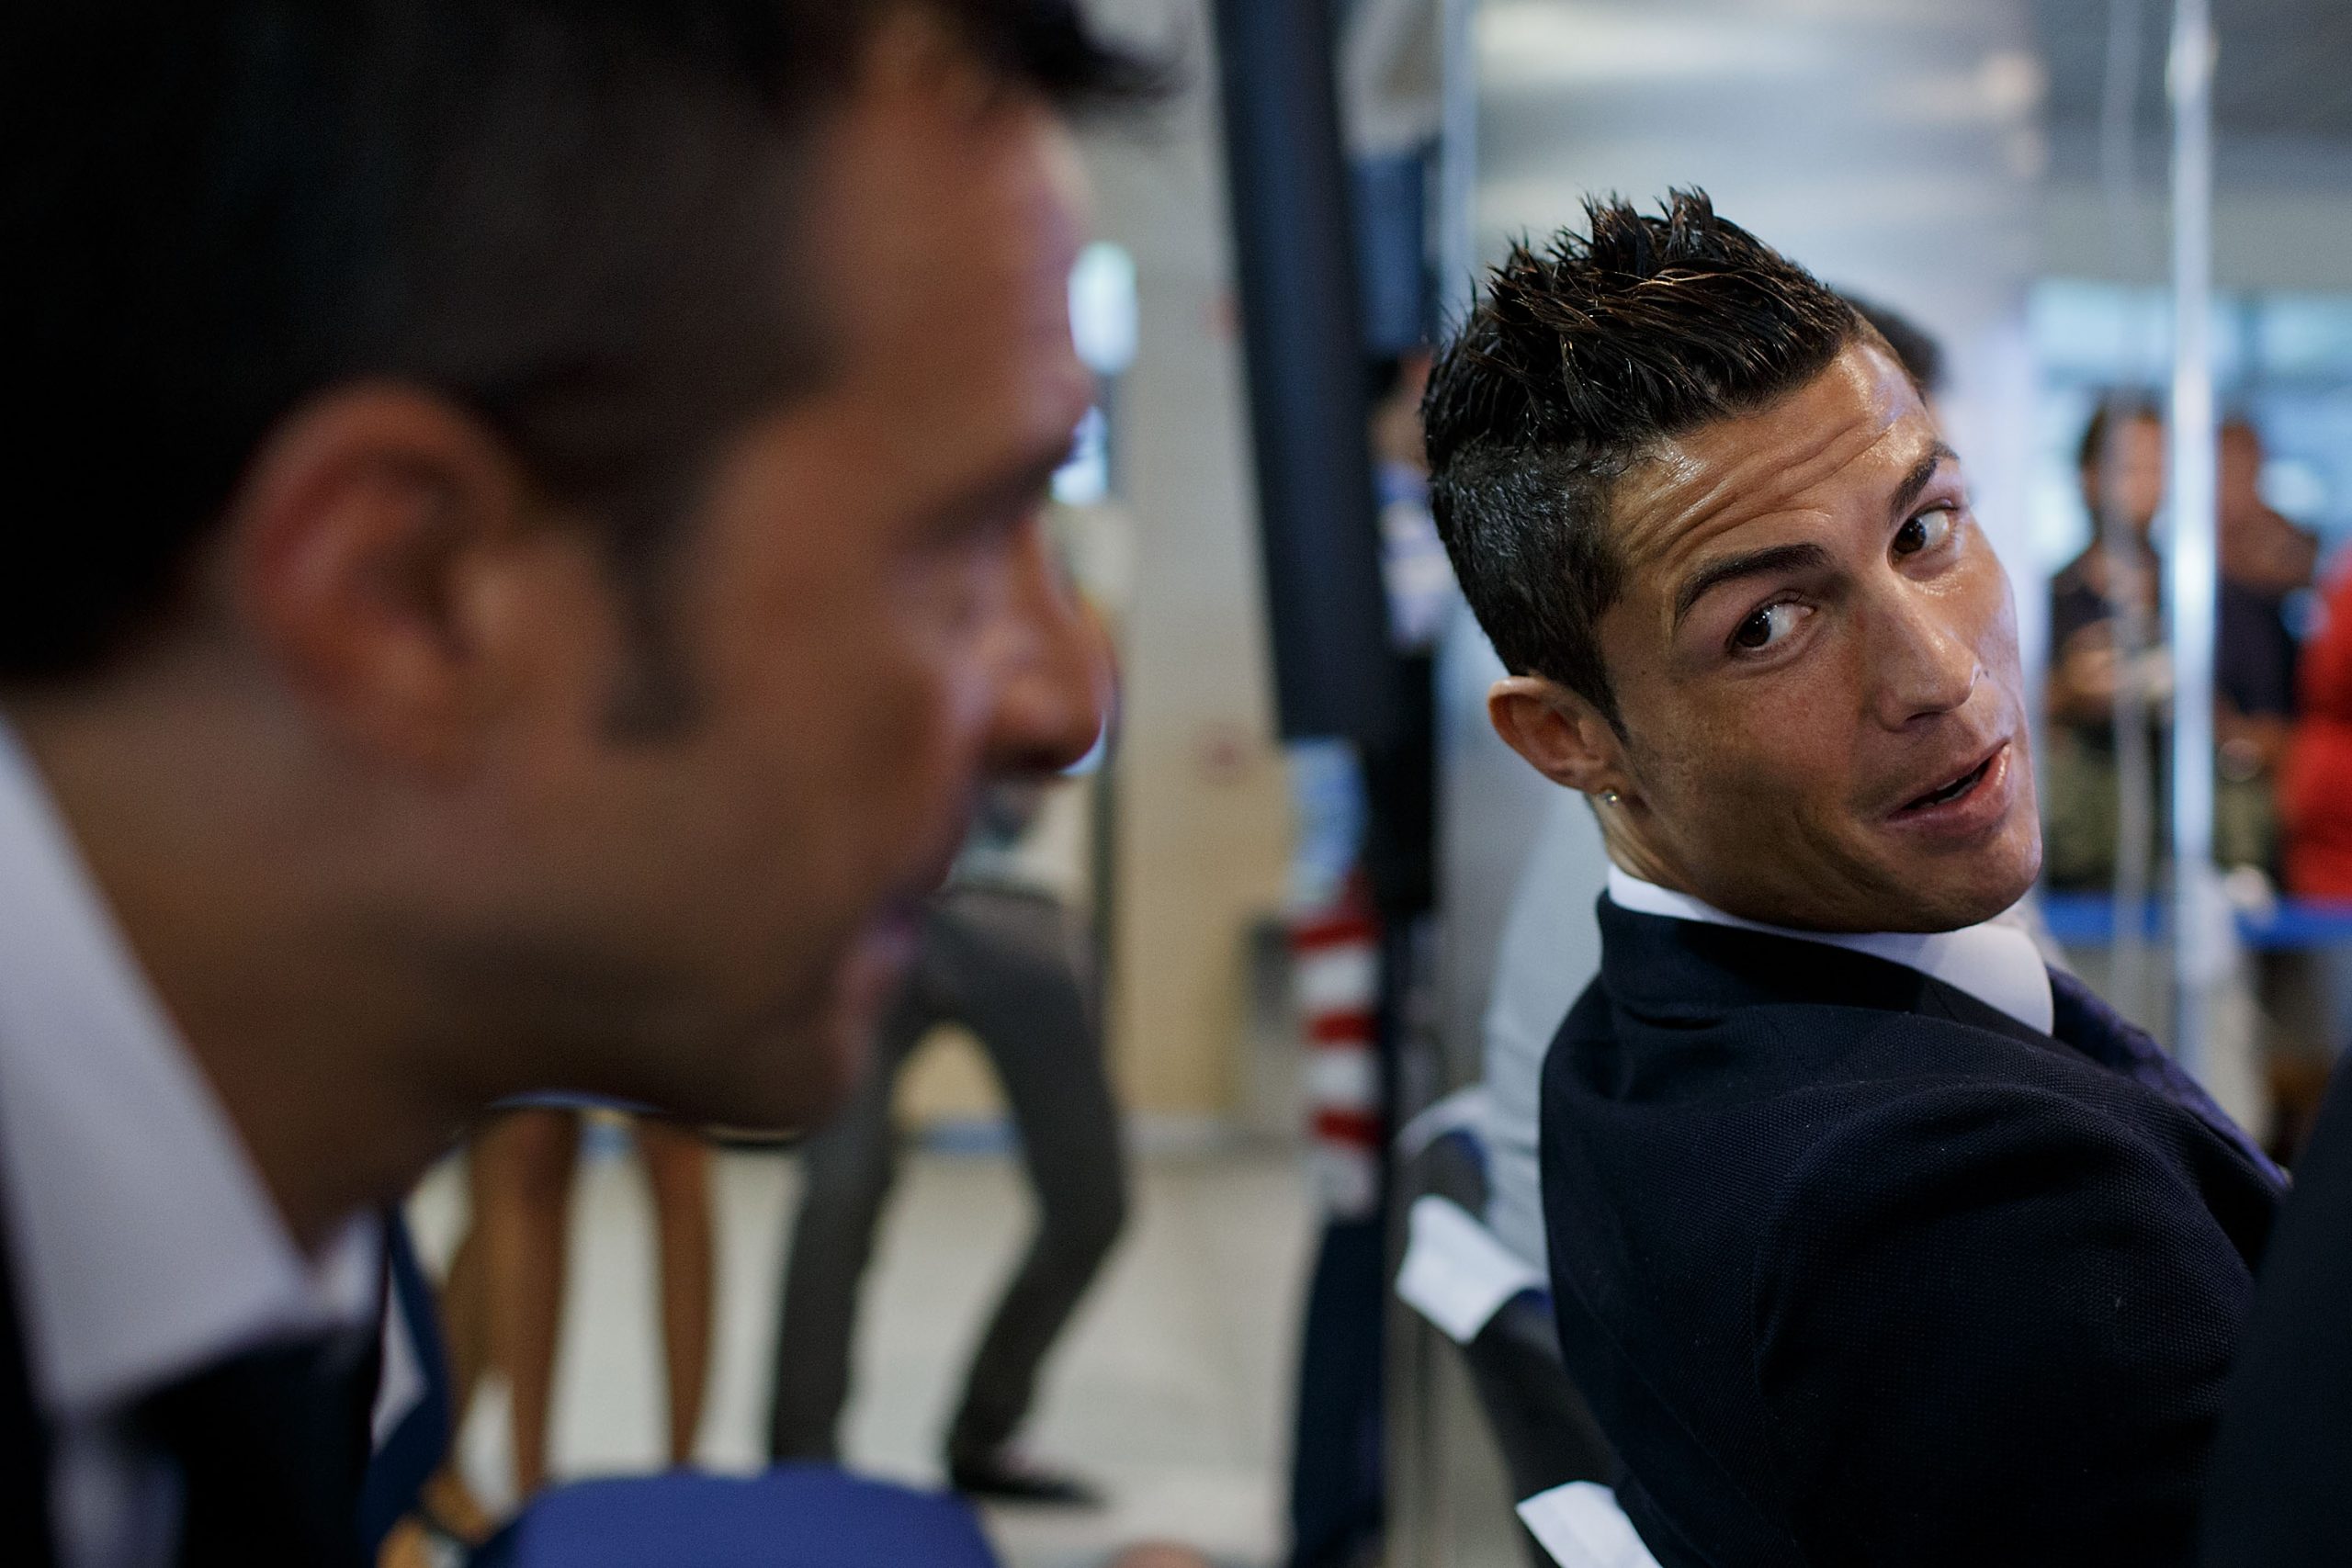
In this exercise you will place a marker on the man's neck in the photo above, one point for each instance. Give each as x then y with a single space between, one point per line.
296 1023
1630 853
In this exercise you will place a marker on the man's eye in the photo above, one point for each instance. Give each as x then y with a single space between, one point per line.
1767 627
1924 532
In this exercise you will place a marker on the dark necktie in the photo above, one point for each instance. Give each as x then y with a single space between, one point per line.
2088 1024
271 1446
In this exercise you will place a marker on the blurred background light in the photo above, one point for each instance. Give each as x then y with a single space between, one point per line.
1102 307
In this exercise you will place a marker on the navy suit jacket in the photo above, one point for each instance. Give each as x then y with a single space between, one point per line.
1855 1268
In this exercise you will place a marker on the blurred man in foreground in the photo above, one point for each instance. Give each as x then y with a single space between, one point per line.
1870 1239
525 547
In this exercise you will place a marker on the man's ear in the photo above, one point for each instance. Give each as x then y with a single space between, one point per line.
1560 732
360 544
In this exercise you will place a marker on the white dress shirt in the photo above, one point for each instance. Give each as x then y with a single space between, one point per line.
1549 953
143 1243
1996 962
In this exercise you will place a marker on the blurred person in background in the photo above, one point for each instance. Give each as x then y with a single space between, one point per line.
2262 551
2264 560
2265 563
998 953
527 552
2317 793
1413 568
2116 583
502 1302
2096 601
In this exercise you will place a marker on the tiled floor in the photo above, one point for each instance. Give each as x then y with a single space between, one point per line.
1172 1387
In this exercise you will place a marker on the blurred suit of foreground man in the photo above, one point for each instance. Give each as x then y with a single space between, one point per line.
523 547
1872 1240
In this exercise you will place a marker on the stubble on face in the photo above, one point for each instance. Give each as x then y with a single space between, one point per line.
846 580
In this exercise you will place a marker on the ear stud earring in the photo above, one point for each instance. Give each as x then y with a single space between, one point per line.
1608 797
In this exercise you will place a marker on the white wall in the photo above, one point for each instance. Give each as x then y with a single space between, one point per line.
1203 830
2282 214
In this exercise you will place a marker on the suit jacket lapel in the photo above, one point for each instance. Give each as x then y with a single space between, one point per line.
2087 1023
1687 970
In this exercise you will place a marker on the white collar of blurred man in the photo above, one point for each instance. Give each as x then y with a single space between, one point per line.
122 1173
1995 961
435 772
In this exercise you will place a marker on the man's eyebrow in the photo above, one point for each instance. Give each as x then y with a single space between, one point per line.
1754 563
1917 479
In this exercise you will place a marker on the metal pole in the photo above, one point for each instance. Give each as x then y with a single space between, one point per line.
1457 159
2203 935
2125 552
1303 341
1426 1394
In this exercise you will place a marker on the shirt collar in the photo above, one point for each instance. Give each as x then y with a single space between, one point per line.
1996 962
142 1239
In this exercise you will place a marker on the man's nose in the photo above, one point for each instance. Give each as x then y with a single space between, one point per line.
1925 665
1054 691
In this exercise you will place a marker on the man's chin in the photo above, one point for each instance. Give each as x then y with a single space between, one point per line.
792 1073
1945 897
837 1044
1906 891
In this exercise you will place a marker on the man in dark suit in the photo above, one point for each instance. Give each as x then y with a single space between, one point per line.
523 545
1872 1241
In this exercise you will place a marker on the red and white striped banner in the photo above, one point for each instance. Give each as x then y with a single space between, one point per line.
1335 982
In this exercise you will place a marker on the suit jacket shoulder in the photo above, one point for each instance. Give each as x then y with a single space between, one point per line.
1855 1268
1991 1326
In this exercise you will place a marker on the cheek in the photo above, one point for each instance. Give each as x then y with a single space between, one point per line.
897 746
1762 755
914 730
1768 771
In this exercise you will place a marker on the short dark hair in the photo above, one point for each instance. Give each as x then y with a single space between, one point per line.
1573 365
564 215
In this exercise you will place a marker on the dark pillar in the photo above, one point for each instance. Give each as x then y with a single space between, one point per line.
1303 333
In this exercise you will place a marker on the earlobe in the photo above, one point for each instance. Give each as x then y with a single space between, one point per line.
350 545
1560 733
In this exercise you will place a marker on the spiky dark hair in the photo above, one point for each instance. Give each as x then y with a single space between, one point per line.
1573 365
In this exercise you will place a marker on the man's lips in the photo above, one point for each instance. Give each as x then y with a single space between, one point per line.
1974 793
887 937
885 942
1945 794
